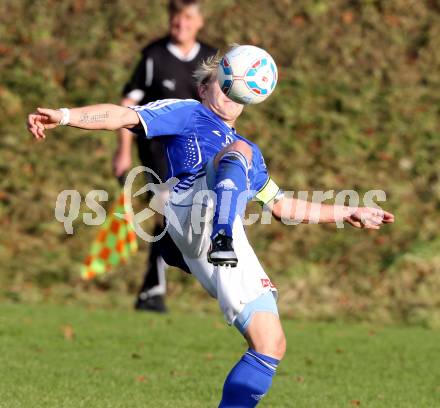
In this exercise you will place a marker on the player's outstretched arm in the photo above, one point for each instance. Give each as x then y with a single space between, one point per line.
94 117
122 155
307 212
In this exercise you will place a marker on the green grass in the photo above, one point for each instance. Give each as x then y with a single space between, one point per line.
69 356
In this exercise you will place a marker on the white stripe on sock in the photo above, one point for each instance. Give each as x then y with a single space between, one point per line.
271 366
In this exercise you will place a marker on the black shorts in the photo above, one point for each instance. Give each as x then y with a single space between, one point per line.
152 154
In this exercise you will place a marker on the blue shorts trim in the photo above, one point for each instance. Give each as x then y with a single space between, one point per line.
264 303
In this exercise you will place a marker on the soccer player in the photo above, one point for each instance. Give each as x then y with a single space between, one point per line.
206 153
164 71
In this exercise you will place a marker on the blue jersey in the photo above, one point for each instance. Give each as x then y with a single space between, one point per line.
192 135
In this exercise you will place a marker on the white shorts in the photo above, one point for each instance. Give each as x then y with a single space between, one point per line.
190 214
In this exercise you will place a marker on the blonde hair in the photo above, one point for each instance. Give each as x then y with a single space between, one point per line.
207 69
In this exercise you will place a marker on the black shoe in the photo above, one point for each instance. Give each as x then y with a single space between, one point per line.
222 251
150 303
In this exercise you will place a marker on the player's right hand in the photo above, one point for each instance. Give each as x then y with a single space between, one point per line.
41 120
121 163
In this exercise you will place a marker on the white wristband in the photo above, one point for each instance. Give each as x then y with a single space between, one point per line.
66 116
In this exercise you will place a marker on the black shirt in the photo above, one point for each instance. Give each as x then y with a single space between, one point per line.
162 73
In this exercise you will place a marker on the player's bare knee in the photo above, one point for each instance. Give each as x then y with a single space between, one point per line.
243 148
265 335
281 346
278 346
238 146
272 346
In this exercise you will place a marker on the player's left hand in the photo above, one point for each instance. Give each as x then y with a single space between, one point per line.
41 120
369 217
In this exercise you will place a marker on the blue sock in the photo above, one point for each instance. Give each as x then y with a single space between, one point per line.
249 381
230 181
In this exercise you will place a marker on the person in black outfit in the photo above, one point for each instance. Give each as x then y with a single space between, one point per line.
164 71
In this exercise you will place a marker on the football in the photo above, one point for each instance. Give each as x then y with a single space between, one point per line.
247 74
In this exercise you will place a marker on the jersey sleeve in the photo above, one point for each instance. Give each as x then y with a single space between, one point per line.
266 189
164 117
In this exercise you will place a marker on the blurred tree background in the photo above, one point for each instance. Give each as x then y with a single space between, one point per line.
357 106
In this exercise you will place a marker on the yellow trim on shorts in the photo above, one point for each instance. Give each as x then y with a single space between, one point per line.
268 192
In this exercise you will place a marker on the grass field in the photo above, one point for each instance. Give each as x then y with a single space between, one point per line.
70 356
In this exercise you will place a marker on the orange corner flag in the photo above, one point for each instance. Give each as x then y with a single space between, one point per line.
115 242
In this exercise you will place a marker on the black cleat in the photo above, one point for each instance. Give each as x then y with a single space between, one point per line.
222 251
150 303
